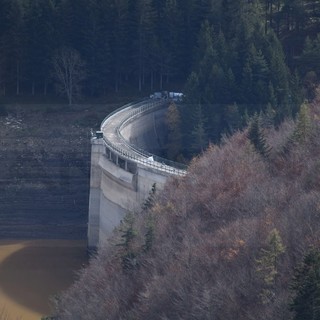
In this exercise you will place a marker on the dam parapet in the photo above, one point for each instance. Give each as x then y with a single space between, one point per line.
123 170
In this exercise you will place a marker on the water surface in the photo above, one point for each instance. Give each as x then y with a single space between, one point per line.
33 271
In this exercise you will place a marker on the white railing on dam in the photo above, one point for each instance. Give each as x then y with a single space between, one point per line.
122 175
114 141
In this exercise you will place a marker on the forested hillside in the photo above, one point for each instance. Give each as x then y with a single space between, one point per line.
236 238
230 58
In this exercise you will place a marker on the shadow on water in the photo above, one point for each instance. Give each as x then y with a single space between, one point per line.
37 270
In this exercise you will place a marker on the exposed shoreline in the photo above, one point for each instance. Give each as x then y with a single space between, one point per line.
44 191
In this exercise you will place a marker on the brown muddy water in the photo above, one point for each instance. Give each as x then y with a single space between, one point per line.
33 271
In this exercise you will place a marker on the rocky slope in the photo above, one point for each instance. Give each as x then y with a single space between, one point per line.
44 170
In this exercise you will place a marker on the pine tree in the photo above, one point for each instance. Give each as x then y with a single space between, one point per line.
192 99
119 40
167 55
296 96
206 62
303 125
260 73
150 200
128 234
309 59
247 83
232 117
267 265
11 42
272 96
279 78
94 49
198 137
39 24
256 137
173 121
142 32
268 116
189 24
149 235
306 288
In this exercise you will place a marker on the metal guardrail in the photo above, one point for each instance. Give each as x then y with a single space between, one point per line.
128 105
135 154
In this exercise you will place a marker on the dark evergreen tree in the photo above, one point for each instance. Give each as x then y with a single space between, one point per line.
306 288
280 80
198 135
296 92
268 263
74 19
11 44
119 41
148 204
128 251
174 144
232 118
149 235
256 137
303 127
246 67
167 53
142 19
157 44
188 28
309 59
40 42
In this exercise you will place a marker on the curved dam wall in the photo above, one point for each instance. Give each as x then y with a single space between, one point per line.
122 177
147 132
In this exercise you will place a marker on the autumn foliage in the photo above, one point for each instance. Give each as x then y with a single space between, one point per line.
223 241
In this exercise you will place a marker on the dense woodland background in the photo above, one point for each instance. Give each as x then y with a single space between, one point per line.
230 58
238 237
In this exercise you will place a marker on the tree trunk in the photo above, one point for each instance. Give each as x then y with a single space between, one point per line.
151 81
18 78
45 87
116 82
161 80
266 16
140 82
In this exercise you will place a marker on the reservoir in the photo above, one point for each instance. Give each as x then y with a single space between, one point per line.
32 272
44 191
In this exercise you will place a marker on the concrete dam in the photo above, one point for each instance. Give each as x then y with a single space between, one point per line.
124 167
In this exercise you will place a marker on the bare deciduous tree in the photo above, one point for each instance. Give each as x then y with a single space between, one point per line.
69 71
208 256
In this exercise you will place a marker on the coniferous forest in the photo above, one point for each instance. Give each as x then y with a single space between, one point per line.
230 58
237 237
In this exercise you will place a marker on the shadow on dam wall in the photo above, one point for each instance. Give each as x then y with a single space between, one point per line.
122 178
148 132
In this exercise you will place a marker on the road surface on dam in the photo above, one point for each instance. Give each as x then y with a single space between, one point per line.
123 171
114 124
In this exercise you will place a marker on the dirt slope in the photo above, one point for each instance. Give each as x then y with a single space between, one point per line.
44 170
